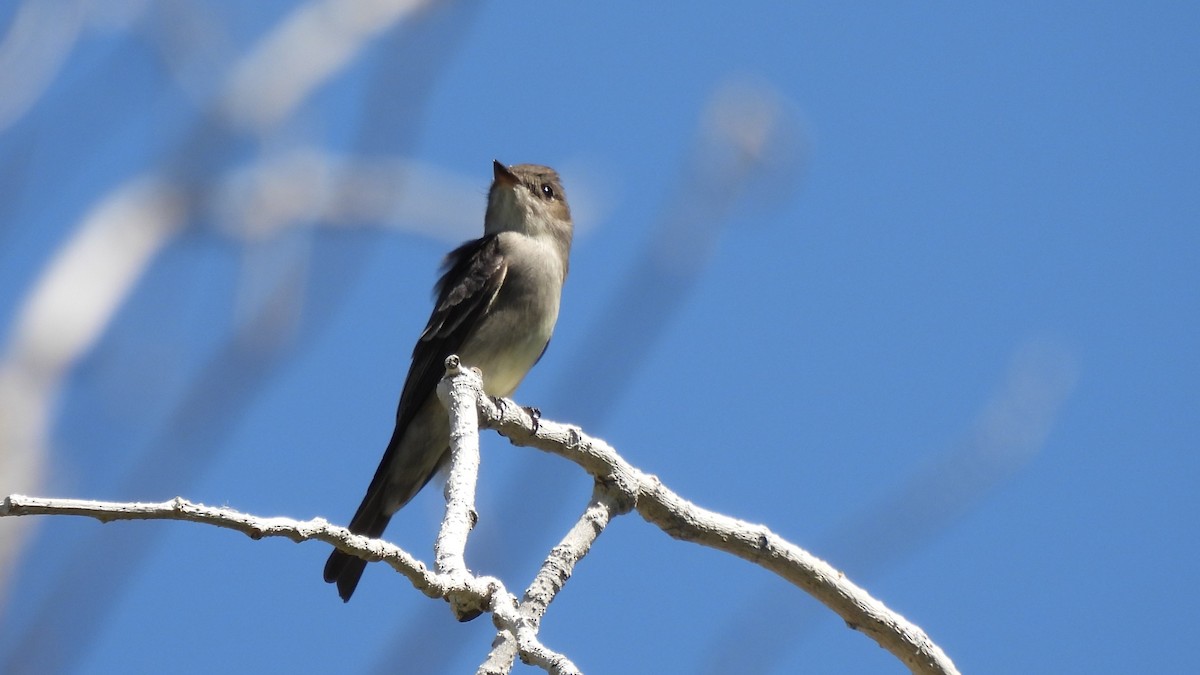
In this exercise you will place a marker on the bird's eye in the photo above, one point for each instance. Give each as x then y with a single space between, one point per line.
547 191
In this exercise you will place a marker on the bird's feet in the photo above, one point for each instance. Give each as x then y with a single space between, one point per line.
534 414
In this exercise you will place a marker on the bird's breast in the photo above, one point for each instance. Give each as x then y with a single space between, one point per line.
519 323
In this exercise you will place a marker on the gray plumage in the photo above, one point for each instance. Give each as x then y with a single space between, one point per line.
497 302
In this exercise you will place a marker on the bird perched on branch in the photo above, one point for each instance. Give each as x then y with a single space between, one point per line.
497 302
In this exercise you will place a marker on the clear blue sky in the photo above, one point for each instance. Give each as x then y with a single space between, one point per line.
947 338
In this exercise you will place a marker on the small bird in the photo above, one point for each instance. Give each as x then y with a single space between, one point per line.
497 302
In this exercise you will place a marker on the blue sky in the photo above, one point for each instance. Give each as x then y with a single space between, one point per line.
942 331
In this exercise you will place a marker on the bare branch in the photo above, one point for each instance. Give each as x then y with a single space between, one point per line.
553 575
450 547
560 564
756 543
254 527
619 487
303 51
483 591
459 390
531 650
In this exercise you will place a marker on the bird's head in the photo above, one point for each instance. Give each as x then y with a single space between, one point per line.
529 199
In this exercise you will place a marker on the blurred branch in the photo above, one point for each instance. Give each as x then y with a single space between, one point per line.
1011 429
38 41
302 186
63 317
240 91
749 143
316 41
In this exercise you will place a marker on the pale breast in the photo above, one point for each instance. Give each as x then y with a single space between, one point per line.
521 319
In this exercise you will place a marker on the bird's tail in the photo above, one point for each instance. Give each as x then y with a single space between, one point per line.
345 569
400 476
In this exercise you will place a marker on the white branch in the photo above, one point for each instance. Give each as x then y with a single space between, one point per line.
449 550
560 564
303 51
553 575
619 488
255 527
37 41
459 391
63 316
482 591
756 543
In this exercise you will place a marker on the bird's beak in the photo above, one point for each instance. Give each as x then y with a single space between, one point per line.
503 175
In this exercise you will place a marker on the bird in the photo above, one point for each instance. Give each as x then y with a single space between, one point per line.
496 304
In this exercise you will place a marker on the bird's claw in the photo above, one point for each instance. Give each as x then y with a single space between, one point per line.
534 414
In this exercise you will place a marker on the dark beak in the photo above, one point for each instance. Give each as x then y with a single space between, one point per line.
503 175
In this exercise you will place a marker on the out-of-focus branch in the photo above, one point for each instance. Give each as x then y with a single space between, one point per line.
310 185
259 90
316 41
1011 429
749 143
61 319
37 43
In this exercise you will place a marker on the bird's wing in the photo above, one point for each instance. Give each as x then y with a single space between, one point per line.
472 276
